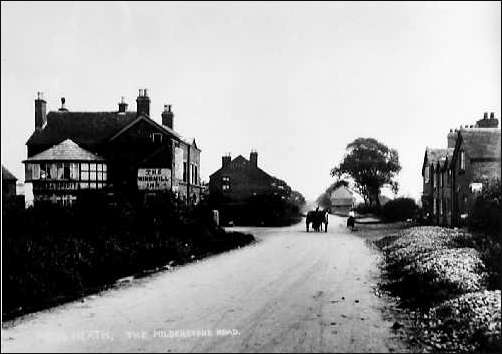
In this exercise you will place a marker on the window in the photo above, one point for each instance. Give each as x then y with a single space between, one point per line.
441 181
440 207
196 175
185 177
462 160
156 138
84 171
225 183
426 174
434 207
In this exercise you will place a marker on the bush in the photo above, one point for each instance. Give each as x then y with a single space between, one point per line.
399 209
52 254
487 208
368 209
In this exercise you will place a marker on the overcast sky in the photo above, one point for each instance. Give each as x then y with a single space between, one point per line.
295 81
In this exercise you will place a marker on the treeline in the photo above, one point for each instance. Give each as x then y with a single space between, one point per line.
52 254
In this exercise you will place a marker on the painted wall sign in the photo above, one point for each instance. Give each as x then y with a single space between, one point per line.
154 179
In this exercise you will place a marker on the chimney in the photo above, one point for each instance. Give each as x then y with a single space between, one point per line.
225 160
167 116
452 138
488 123
143 103
253 158
63 106
40 111
122 105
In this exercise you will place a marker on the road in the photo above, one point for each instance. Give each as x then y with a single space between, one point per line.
291 291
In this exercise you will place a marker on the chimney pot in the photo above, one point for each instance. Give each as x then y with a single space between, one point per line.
63 106
485 115
492 115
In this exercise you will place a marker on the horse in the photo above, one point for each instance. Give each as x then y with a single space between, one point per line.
317 218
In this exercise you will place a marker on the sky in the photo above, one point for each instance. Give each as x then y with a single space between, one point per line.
295 81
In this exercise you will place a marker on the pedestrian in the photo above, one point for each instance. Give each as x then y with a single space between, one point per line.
351 219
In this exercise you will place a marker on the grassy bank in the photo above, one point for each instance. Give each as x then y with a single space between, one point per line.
51 255
448 278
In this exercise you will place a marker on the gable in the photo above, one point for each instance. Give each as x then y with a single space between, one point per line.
142 127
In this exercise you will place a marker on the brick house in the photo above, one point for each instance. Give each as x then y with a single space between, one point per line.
70 153
453 176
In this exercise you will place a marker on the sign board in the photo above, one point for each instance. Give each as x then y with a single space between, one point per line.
154 179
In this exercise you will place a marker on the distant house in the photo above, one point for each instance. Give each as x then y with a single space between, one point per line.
71 153
454 175
343 199
239 179
8 184
10 197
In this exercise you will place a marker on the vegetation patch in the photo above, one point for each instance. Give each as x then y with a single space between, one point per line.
432 270
52 254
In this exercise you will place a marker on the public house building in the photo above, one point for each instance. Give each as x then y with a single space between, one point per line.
453 176
70 153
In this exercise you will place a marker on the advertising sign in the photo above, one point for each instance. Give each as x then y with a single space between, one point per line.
154 179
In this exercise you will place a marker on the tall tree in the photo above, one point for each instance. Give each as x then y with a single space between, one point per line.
371 165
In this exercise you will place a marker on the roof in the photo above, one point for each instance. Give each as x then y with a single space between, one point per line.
67 150
7 175
81 127
481 142
88 128
242 160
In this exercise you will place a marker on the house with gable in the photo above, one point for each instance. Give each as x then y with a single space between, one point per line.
70 153
453 176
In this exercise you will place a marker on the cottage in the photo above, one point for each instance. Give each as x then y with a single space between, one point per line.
70 153
343 199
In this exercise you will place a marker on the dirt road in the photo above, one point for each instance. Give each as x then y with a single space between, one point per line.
289 292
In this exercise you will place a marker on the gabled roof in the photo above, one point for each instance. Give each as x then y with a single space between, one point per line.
89 128
67 150
242 160
151 122
7 175
432 156
481 142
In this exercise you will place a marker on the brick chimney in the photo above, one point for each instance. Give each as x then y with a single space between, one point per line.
143 103
253 158
40 111
452 138
488 123
225 160
122 105
167 116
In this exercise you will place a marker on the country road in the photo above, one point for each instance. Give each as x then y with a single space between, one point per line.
291 291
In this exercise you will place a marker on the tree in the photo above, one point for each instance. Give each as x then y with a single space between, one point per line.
371 165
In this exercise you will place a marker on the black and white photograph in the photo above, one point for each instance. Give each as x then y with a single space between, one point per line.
251 176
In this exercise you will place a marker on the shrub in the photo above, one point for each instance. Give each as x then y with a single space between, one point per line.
487 208
52 253
399 209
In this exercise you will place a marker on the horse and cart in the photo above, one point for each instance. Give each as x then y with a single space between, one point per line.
317 218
